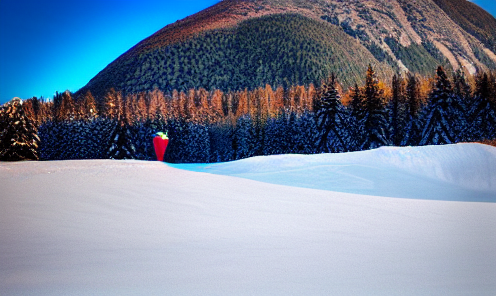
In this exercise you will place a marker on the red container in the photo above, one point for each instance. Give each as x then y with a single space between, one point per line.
160 147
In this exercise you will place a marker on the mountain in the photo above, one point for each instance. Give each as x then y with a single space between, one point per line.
239 44
472 19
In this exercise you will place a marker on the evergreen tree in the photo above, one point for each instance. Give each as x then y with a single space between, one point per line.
375 122
221 142
330 117
244 137
462 90
413 128
121 140
275 129
66 110
357 112
88 107
441 114
483 112
18 135
306 139
397 110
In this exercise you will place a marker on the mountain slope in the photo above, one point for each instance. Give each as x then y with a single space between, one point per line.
239 44
472 19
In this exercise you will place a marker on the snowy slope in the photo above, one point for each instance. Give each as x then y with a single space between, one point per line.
461 172
107 227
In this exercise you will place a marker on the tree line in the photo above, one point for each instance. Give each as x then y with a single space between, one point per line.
211 126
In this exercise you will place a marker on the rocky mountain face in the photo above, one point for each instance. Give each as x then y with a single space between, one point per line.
239 44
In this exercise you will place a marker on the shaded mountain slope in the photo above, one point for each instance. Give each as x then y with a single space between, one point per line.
239 44
472 19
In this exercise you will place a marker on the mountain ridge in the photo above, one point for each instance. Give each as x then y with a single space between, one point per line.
400 36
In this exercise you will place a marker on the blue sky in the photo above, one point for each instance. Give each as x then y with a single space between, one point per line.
488 5
54 45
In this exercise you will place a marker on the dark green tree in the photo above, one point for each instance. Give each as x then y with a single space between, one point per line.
482 115
397 110
441 114
375 119
357 112
18 135
413 128
330 115
121 144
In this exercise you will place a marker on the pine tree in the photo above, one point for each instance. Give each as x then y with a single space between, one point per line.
330 115
66 110
441 114
304 137
397 110
88 107
275 129
375 122
18 135
220 135
356 125
461 89
483 112
413 128
244 137
121 140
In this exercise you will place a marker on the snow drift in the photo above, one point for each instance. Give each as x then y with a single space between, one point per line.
459 172
102 227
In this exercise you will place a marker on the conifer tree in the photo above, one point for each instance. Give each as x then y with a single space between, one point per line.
66 111
397 110
275 129
442 113
413 128
461 89
483 112
330 115
121 140
243 137
357 103
357 111
89 109
18 135
375 122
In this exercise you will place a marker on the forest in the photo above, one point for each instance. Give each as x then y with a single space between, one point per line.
285 50
214 126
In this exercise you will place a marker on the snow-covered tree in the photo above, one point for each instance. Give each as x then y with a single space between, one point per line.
274 141
18 135
442 113
221 142
397 110
413 127
121 140
462 90
356 116
483 111
243 137
121 144
306 139
330 117
375 118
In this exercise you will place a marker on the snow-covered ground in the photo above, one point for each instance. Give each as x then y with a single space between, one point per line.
462 172
102 227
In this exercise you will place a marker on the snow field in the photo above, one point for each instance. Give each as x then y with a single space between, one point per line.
102 227
459 172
